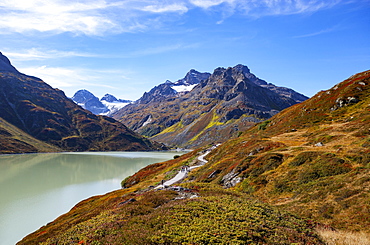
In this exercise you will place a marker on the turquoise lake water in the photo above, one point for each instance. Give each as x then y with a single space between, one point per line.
37 188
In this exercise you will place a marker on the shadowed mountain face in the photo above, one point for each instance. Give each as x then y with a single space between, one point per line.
49 116
5 65
217 108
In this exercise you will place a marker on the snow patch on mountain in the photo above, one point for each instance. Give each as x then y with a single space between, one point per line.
113 106
183 88
105 106
147 121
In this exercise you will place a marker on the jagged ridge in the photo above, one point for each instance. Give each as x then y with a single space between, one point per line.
217 108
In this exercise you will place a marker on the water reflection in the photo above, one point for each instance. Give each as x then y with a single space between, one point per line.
36 188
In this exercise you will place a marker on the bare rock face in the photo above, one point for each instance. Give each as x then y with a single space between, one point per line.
5 64
89 102
217 107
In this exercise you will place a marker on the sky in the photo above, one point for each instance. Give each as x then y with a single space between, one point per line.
126 47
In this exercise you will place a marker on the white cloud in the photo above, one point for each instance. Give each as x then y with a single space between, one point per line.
54 16
56 77
259 8
116 16
64 77
210 3
162 8
38 54
287 7
71 79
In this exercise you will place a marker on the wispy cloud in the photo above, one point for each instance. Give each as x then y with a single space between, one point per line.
262 8
116 16
64 77
162 49
211 3
43 54
164 8
55 16
317 33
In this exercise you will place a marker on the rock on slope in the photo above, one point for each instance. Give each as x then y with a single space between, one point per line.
312 159
277 161
49 116
217 108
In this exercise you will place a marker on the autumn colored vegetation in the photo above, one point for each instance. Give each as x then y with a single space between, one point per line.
300 178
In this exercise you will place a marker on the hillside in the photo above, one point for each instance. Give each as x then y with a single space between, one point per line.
217 108
311 160
14 140
47 115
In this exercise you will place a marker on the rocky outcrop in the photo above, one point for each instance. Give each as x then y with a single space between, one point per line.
228 101
5 65
89 102
173 89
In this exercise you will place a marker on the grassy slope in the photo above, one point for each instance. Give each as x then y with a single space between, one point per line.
157 217
280 163
48 115
276 162
14 140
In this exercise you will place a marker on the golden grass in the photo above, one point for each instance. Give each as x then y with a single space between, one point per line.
344 237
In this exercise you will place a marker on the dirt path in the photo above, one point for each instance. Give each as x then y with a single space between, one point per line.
184 171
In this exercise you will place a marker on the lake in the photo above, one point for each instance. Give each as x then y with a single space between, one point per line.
36 188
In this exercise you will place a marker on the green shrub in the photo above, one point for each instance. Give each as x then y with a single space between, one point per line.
326 165
304 157
263 125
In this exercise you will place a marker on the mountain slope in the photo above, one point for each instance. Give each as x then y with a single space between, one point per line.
14 140
90 102
49 116
312 159
216 109
107 105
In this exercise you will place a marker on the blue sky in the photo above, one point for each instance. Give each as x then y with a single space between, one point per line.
126 47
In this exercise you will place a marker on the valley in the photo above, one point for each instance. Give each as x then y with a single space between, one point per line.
301 176
198 122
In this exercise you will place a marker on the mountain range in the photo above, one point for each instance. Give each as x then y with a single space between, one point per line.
107 105
300 177
203 108
35 117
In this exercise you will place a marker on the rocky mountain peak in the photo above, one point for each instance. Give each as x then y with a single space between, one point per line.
228 99
109 98
83 95
89 101
242 68
193 77
5 64
178 88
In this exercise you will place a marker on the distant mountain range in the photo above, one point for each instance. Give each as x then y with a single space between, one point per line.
202 108
107 105
34 117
